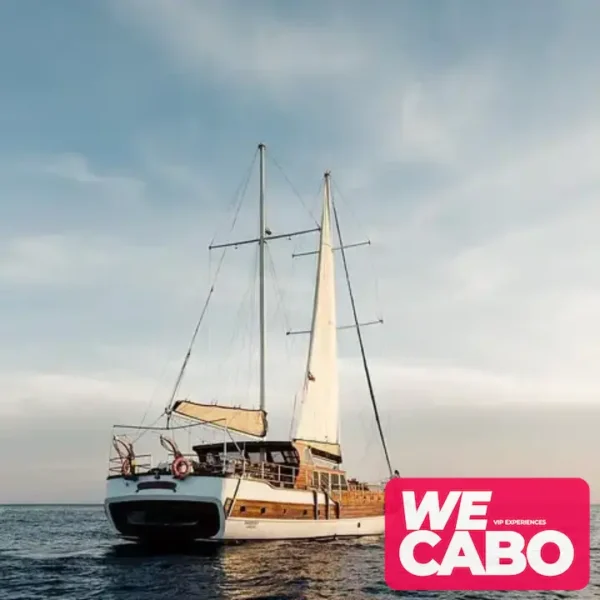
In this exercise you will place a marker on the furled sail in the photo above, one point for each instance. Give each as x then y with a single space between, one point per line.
318 421
239 420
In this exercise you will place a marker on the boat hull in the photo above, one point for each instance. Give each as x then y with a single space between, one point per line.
210 509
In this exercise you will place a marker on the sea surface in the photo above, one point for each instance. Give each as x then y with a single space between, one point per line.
69 552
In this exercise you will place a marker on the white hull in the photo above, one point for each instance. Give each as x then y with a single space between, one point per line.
279 529
212 493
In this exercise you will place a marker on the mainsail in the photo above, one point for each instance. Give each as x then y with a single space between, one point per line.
318 422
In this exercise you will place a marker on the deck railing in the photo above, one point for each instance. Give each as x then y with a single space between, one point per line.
279 475
142 463
274 473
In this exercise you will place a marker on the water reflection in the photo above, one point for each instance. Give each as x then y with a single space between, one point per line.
134 551
274 570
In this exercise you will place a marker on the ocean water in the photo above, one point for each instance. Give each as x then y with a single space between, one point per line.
69 552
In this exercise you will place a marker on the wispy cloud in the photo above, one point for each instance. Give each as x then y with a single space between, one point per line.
233 44
53 260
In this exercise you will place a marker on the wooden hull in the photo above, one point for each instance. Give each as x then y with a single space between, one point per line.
225 509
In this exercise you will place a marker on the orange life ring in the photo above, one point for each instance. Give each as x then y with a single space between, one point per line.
126 466
181 467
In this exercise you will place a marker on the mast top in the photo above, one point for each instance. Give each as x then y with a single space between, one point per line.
261 146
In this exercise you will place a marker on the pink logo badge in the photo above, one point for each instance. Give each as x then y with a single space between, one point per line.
487 534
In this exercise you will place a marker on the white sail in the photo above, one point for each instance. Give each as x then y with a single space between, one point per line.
318 421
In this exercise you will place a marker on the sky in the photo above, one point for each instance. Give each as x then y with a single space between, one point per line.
463 140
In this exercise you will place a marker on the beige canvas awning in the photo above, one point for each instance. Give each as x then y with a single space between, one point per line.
331 449
240 420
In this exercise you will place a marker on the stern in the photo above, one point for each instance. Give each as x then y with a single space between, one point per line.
152 508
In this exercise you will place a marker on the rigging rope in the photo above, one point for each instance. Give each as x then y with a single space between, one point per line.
168 410
372 268
243 186
360 340
272 159
237 321
279 293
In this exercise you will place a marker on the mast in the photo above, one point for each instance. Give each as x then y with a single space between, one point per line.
318 421
261 240
261 275
329 204
358 331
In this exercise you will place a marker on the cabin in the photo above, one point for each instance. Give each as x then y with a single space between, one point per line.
282 464
293 465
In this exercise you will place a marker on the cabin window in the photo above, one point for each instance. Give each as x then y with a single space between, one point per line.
254 457
335 481
277 457
325 481
343 484
263 510
290 457
315 479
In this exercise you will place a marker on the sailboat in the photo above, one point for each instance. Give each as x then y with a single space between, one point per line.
257 489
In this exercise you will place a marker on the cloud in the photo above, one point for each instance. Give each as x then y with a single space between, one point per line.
431 119
51 260
232 44
401 384
551 175
76 168
61 392
463 146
